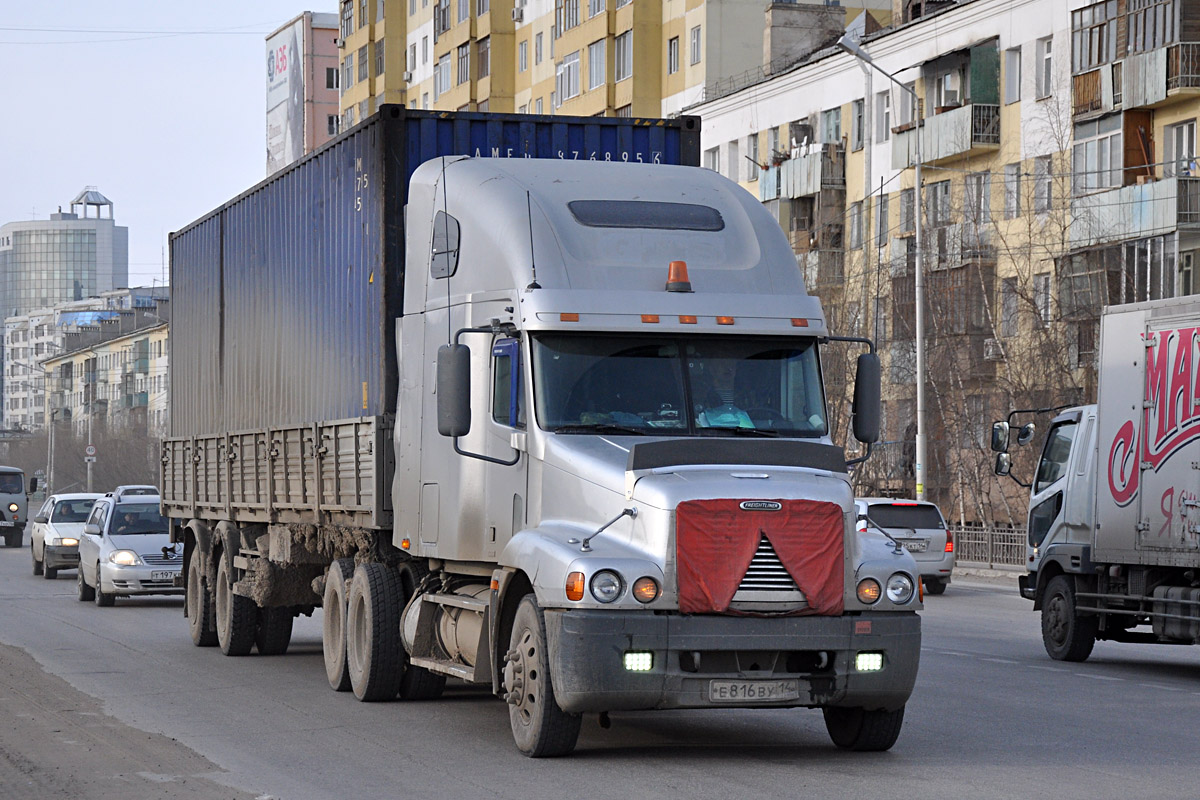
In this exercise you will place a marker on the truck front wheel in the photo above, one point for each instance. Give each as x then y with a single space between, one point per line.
1066 635
541 729
862 730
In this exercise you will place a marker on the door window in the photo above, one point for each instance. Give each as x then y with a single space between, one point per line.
1054 456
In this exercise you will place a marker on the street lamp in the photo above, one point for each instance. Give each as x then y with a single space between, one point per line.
853 48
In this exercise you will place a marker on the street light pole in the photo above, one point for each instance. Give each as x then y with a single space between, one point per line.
853 48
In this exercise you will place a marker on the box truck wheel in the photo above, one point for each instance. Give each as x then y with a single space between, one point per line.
373 650
274 630
237 616
333 627
1066 635
540 728
862 730
200 610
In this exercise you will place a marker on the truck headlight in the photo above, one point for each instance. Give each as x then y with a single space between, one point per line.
868 591
13 507
607 586
124 558
899 588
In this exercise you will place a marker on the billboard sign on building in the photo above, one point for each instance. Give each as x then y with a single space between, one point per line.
285 96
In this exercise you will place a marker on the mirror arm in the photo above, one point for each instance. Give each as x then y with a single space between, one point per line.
1019 482
852 461
860 339
493 327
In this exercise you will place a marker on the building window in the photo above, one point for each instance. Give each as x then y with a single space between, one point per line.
331 78
441 18
425 100
537 49
1180 148
978 197
364 108
937 199
856 232
882 228
694 56
831 126
948 89
1043 184
1045 66
623 3
485 57
464 11
1008 307
523 109
566 16
347 18
673 55
412 7
1093 35
1041 297
538 106
752 151
482 7
1151 24
856 125
595 7
566 78
883 116
1096 157
411 64
625 111
348 71
712 159
1012 75
379 57
523 56
363 65
623 59
464 62
441 77
1012 191
596 66
362 13
908 201
331 124
733 161
424 49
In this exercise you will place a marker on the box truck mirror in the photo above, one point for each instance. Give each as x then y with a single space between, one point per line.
1003 464
866 398
1026 434
33 484
1000 437
444 261
454 390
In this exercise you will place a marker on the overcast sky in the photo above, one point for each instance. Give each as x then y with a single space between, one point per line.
160 105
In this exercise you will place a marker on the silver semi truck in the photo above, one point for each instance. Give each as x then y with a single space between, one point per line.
1113 548
583 454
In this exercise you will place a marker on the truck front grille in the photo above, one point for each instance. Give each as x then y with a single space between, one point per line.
766 572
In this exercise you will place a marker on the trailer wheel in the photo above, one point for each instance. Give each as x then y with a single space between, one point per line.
863 731
200 606
1066 635
540 728
274 630
333 628
83 591
373 650
237 616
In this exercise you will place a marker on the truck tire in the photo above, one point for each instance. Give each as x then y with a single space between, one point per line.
373 649
102 598
935 585
201 613
1066 635
237 616
540 728
84 592
37 565
417 683
333 627
863 731
274 630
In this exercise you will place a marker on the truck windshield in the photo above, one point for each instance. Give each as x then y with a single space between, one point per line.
12 483
679 386
1054 456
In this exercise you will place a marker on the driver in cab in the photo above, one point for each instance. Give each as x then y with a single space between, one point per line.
720 404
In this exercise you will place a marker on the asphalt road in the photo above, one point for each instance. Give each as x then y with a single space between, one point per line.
992 716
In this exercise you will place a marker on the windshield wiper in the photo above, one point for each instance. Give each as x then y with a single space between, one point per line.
603 427
738 431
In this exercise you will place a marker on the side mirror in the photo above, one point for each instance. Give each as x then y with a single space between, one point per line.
33 484
454 390
1000 437
1026 434
91 529
1003 464
41 519
866 399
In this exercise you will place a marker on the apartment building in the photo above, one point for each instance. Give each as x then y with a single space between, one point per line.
302 74
578 57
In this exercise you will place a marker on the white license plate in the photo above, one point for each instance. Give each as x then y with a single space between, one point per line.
8 523
915 545
752 691
162 575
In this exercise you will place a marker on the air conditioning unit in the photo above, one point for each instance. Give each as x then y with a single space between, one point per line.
339 43
408 77
993 350
518 14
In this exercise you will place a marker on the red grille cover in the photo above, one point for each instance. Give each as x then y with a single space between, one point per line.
715 541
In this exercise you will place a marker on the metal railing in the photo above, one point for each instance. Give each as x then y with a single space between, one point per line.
1183 65
985 124
989 546
1188 202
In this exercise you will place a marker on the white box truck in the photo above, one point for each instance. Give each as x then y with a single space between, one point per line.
558 428
1113 547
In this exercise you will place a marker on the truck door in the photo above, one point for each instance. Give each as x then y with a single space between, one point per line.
1046 502
504 509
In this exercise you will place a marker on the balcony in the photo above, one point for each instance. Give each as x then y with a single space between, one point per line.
1135 212
968 130
1161 77
823 167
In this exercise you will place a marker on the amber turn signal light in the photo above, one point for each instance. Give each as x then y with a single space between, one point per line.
575 586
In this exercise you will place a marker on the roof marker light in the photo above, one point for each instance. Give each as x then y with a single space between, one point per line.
677 277
724 320
568 317
687 319
649 317
799 322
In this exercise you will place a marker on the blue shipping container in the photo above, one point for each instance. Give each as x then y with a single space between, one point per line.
284 300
